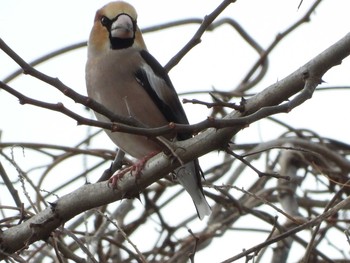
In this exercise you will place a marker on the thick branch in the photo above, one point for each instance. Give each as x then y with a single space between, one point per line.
40 226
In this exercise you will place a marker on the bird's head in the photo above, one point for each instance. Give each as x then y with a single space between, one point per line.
115 27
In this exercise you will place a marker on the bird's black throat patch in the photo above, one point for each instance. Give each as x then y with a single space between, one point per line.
120 43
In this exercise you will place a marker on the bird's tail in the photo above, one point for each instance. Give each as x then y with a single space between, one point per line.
189 177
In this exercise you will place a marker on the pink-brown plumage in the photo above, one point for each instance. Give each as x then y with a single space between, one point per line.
125 78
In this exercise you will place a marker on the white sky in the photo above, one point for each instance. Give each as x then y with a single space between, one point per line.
34 28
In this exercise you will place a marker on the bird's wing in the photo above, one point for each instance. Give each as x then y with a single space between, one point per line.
154 79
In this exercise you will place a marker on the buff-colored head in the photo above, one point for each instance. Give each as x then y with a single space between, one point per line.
115 27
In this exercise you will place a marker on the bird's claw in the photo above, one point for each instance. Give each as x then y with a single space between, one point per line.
134 169
113 181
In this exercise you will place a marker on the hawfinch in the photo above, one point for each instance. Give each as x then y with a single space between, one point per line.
129 81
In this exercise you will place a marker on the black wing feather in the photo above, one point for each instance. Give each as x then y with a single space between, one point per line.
173 113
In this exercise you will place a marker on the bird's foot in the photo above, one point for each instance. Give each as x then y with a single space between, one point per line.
134 169
113 181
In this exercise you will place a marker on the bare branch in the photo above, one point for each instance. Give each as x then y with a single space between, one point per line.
196 38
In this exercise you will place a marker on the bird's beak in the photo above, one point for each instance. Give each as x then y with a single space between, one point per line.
122 27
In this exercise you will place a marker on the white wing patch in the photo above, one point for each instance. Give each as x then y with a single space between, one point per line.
158 84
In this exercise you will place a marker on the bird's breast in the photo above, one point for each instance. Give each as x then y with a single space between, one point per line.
110 81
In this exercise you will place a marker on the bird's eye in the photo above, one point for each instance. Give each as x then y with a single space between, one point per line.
105 21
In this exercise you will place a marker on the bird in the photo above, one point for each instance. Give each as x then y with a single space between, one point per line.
124 77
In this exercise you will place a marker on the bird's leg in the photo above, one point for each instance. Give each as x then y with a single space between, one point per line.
116 164
113 181
140 164
134 169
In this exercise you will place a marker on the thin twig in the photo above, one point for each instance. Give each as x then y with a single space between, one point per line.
143 259
195 40
9 186
293 231
245 85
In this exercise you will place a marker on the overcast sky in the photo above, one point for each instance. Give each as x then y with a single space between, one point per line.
34 28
